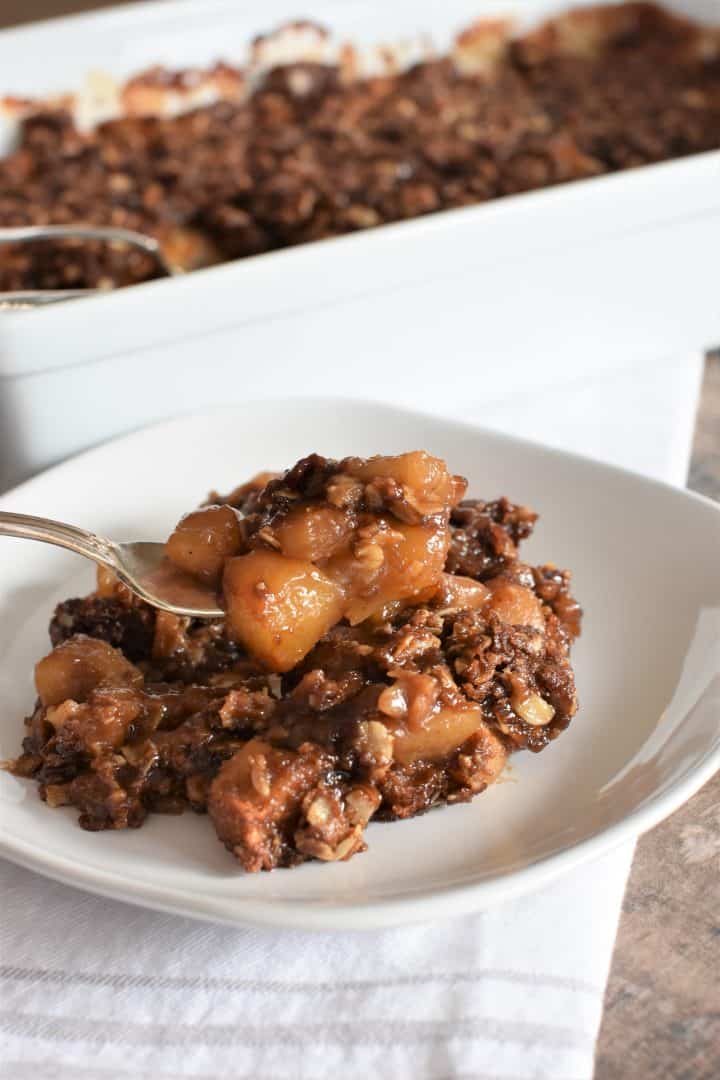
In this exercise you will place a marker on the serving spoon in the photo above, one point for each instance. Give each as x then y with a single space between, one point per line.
30 298
142 565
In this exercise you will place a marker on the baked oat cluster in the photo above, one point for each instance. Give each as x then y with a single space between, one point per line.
384 650
314 149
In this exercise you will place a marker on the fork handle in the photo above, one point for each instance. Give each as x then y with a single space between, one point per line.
28 527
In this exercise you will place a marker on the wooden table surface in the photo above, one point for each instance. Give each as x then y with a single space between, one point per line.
662 1006
13 12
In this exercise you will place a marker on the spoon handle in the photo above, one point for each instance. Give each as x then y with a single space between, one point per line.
81 542
23 234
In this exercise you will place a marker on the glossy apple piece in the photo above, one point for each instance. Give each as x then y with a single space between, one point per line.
313 532
203 540
425 482
514 604
458 593
398 563
79 666
442 733
277 607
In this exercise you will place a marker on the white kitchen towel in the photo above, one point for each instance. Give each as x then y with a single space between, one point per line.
92 988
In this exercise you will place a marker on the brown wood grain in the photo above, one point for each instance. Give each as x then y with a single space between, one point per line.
13 12
662 1006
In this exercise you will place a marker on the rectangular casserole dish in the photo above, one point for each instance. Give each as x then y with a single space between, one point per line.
460 305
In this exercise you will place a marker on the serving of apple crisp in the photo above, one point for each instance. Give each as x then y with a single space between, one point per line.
384 650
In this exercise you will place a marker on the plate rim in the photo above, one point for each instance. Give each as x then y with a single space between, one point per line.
334 401
426 903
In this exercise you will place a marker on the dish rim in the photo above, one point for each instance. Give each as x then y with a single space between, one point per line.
642 184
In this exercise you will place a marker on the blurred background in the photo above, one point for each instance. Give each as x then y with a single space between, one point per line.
20 11
663 959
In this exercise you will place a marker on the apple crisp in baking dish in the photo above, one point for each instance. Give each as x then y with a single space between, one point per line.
313 139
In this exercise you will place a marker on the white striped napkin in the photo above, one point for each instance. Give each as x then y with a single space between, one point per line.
92 988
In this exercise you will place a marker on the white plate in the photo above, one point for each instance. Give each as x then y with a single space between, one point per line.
645 562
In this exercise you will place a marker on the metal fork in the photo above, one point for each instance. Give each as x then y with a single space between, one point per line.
18 301
142 565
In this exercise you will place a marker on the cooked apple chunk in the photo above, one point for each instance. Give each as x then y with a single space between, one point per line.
80 665
458 593
203 540
388 563
355 536
442 732
277 607
415 485
314 532
515 604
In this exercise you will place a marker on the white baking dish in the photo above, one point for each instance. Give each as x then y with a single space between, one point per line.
461 305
